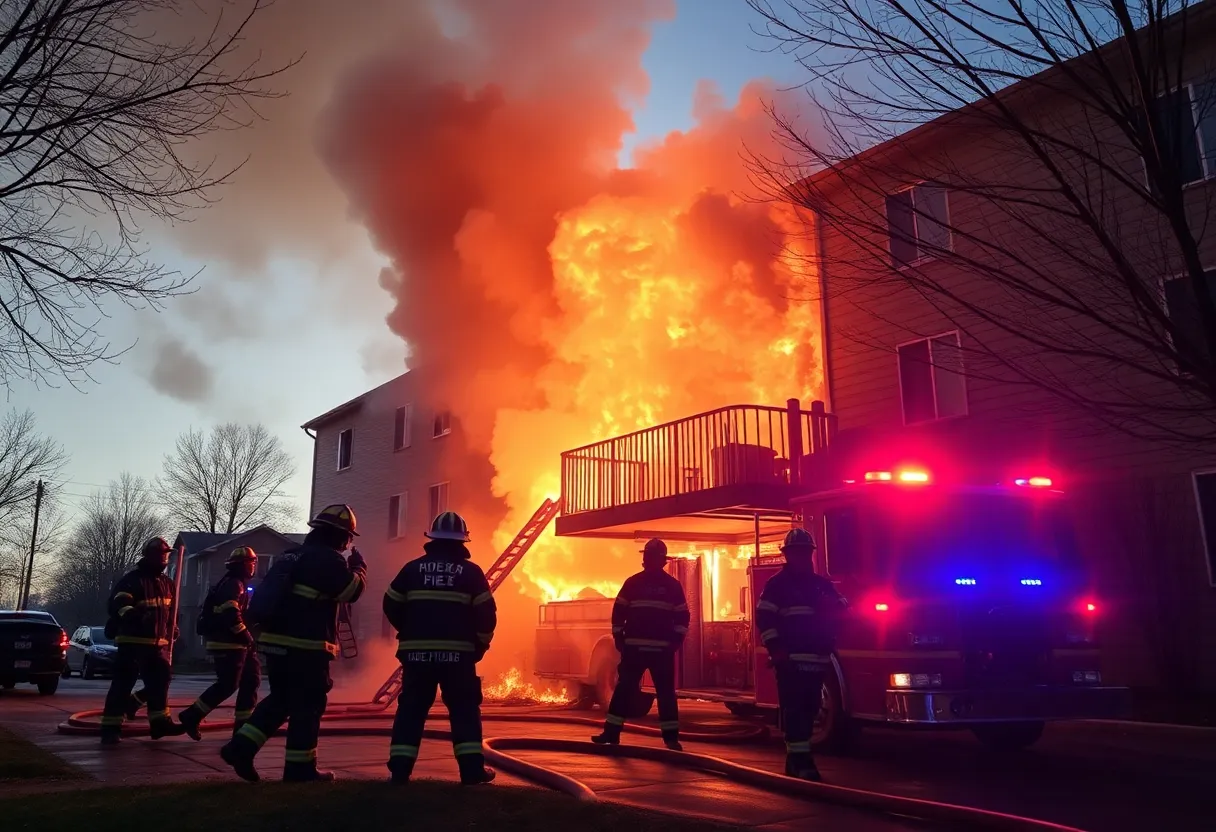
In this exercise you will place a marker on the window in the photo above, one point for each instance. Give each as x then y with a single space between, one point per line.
1186 123
1205 498
842 539
443 424
917 222
403 427
439 499
1184 315
346 448
931 381
397 505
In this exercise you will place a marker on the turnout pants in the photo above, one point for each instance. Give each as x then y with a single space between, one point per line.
635 661
236 671
461 688
299 691
135 661
799 693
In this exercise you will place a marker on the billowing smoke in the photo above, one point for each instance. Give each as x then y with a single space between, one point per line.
552 297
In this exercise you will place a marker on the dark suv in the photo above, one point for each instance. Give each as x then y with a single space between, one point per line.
33 649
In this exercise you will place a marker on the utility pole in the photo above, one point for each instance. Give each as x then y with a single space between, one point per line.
29 572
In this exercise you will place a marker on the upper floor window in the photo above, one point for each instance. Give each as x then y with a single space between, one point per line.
443 424
403 426
1205 499
346 448
438 499
1182 307
397 505
1186 124
918 224
931 381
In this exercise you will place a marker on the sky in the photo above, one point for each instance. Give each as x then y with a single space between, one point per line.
280 333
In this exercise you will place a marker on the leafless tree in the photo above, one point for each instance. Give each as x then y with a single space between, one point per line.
99 101
229 480
15 539
105 543
26 456
1066 136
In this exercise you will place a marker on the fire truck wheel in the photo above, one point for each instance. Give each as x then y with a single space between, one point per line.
835 731
1009 736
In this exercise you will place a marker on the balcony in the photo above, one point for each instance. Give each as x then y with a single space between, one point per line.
723 476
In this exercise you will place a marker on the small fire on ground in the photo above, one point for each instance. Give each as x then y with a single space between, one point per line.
511 689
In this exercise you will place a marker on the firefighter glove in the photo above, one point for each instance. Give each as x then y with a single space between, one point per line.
355 560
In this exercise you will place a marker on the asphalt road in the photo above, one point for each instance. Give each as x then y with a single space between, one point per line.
1095 776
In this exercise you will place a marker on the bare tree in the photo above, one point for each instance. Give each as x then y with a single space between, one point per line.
1065 136
15 539
26 456
98 106
228 481
104 544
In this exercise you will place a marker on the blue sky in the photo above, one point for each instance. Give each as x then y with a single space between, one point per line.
291 366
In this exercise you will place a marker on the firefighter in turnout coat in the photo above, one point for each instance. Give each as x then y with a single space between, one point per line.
445 617
798 616
298 646
141 616
230 644
649 624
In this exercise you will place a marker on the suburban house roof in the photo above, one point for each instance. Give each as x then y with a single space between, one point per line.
201 543
346 407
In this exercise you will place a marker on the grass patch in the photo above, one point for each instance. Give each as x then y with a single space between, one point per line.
240 807
21 759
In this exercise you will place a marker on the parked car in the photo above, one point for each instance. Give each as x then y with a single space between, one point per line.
33 650
90 653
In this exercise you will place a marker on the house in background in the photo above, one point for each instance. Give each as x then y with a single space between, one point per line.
205 555
398 462
904 371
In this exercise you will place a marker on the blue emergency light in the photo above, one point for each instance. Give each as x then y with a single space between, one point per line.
1031 582
965 581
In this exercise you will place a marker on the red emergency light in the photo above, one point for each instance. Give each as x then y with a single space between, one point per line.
882 607
909 475
1033 482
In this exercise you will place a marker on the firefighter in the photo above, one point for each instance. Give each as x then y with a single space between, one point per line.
445 617
797 617
231 645
298 644
141 612
649 624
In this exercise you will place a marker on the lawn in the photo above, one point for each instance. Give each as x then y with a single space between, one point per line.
20 759
239 807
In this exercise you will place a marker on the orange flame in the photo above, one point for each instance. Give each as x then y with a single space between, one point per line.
512 689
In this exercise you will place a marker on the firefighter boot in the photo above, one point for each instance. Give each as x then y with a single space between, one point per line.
161 728
190 720
474 772
673 743
110 738
802 767
610 736
291 774
242 764
400 771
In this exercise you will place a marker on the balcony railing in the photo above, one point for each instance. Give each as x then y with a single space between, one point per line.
737 445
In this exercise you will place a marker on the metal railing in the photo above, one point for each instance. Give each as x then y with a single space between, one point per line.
735 445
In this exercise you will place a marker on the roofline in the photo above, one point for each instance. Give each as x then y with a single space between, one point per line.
215 546
348 406
1199 12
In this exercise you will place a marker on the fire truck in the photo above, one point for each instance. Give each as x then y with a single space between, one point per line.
970 605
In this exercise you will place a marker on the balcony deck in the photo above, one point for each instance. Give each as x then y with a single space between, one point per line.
718 476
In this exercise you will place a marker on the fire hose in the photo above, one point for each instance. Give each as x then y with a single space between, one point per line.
497 748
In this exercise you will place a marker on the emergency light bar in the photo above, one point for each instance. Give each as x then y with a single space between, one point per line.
966 581
1033 482
909 476
1031 582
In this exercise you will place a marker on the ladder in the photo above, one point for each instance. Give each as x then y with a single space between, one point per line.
346 634
498 572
